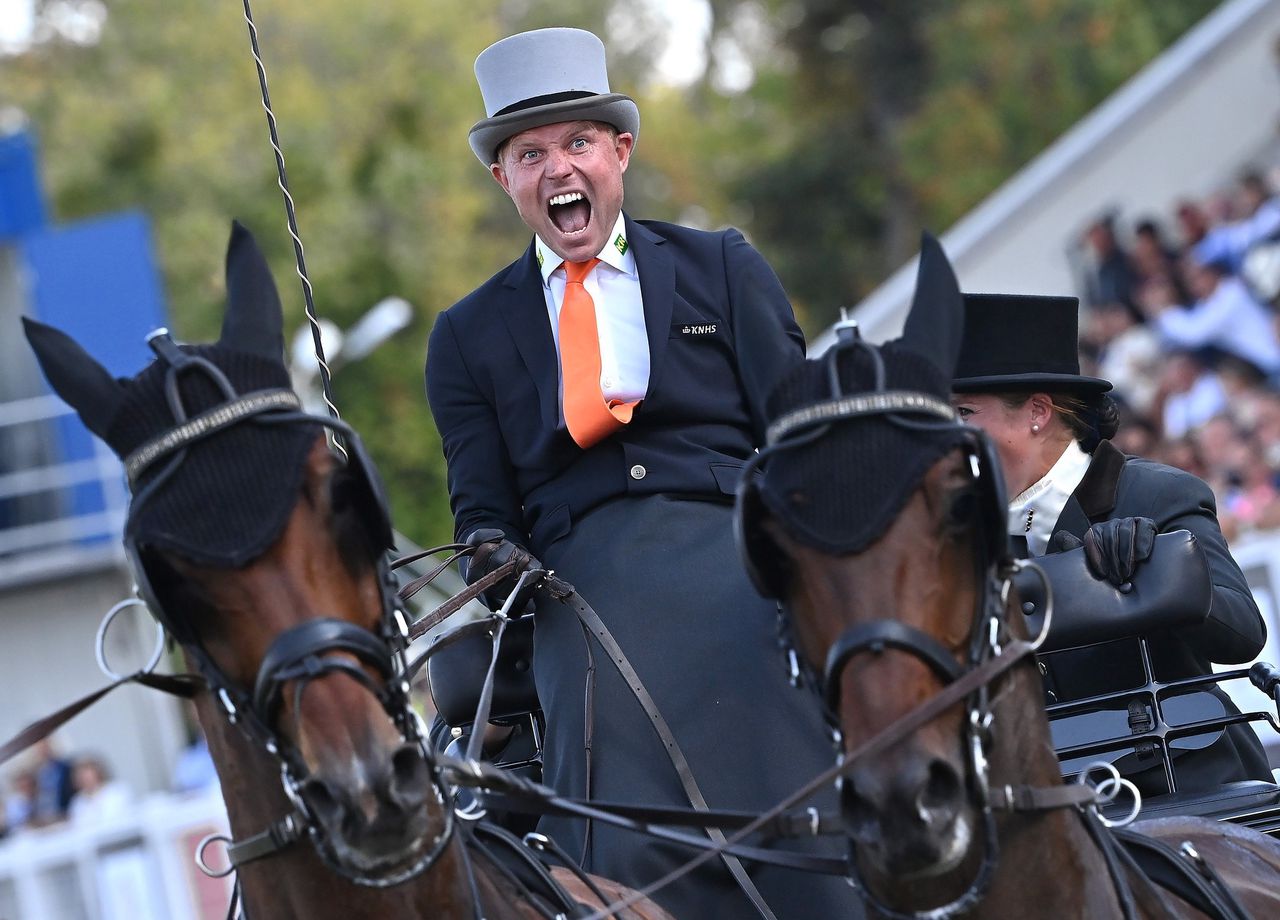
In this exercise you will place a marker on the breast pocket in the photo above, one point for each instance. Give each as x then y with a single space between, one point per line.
697 331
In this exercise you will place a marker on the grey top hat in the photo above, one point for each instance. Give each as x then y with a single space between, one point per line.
541 78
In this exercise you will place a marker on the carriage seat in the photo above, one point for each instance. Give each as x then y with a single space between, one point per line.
457 671
1253 803
1172 590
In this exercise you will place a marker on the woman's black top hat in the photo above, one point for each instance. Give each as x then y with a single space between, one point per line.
1021 342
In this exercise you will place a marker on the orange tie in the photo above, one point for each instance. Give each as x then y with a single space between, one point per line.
587 415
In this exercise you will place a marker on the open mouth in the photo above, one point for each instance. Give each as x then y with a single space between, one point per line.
570 213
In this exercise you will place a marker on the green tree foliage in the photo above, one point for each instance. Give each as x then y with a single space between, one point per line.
374 102
892 116
860 122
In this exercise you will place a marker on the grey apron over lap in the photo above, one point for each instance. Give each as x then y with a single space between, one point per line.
663 574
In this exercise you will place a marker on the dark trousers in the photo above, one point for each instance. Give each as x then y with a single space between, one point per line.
664 575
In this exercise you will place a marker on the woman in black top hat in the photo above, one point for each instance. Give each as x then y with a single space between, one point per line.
1018 378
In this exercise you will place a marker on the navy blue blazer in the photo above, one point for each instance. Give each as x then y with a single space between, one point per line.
721 332
1116 486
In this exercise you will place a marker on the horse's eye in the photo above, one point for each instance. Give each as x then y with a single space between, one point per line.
962 511
342 493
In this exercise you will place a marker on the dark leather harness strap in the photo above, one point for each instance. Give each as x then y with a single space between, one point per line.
876 636
459 600
181 685
565 593
1182 872
1040 798
947 697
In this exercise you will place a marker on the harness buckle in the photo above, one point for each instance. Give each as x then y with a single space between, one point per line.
293 792
793 663
233 714
401 624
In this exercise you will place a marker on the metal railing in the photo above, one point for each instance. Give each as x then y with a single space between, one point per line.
38 502
138 865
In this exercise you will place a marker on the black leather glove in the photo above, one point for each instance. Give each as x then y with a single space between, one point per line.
492 550
1062 541
1113 549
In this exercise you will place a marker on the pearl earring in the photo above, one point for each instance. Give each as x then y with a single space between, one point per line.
1035 429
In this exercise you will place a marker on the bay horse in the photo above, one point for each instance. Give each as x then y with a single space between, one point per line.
878 520
261 550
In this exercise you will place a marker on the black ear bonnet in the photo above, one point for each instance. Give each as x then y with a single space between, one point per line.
841 485
251 471
211 483
836 486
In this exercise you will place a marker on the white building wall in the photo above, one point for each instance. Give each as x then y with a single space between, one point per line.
47 629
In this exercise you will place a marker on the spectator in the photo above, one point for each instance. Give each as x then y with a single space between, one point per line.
19 805
1183 454
1251 497
1137 437
97 796
1152 257
1128 353
1192 223
53 785
1188 395
1110 277
1224 317
194 771
1229 242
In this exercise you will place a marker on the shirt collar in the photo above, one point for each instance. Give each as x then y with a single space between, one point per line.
616 252
1035 512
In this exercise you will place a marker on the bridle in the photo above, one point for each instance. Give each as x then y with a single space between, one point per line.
990 643
302 653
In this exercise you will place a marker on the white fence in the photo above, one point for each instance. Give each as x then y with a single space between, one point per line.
138 867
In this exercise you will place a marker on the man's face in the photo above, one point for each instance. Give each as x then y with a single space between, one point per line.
566 182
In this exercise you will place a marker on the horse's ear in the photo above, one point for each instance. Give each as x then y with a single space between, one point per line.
254 322
935 325
82 382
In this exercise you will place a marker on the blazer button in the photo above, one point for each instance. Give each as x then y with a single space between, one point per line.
638 472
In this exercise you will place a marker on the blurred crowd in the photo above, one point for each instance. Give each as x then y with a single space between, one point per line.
51 788
48 788
1183 316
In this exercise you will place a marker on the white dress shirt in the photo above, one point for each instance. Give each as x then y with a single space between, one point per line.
614 286
1034 513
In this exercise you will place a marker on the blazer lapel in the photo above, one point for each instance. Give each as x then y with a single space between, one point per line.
1072 519
657 272
1096 495
525 311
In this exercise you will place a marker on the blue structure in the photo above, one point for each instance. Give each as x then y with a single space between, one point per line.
96 279
21 205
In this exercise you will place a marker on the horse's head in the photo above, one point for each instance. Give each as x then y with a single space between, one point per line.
877 519
261 551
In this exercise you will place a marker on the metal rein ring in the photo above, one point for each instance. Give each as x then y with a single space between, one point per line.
204 866
1108 790
100 643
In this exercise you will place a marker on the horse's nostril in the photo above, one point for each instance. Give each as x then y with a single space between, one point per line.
409 779
941 794
861 819
320 798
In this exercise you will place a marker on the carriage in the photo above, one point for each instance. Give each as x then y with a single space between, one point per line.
1148 723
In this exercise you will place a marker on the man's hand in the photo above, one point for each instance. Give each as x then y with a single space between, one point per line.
492 550
1115 549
